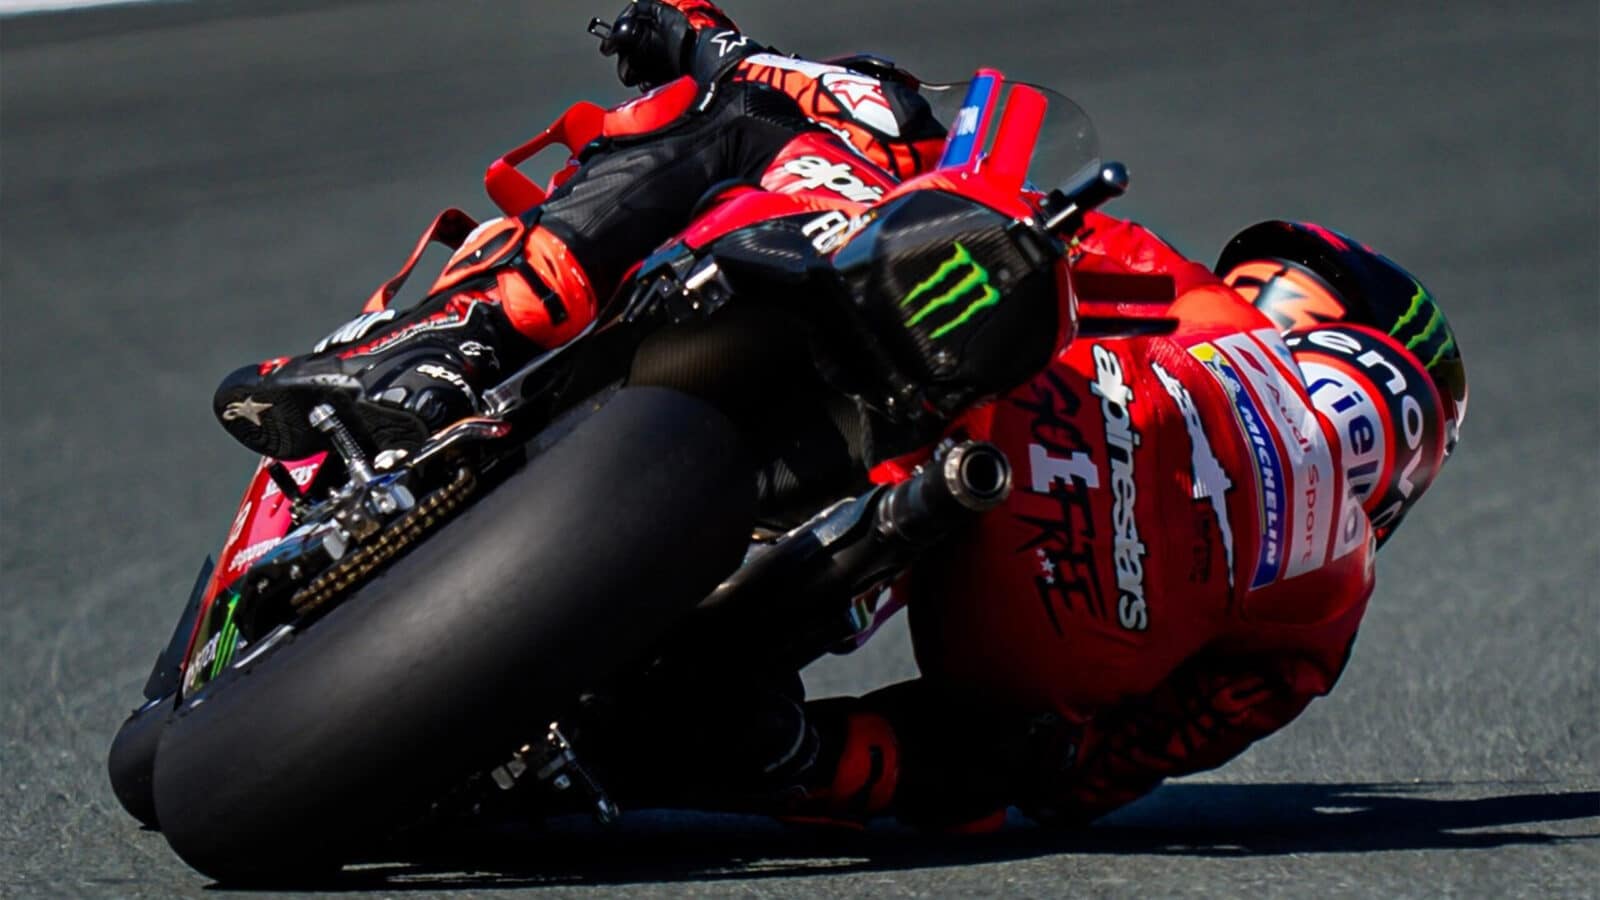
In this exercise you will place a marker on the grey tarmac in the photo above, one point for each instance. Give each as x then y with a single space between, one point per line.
185 187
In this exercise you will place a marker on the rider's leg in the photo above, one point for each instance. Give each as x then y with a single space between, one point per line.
516 288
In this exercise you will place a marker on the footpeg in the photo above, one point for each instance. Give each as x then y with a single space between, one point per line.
556 765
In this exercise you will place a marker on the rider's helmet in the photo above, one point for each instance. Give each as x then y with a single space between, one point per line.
654 40
1379 357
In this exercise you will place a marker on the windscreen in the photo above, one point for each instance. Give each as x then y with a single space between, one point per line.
1068 149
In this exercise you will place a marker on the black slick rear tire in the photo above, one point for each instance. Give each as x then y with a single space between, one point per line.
289 764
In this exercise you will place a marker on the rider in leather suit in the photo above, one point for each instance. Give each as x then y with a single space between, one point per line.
722 112
1189 550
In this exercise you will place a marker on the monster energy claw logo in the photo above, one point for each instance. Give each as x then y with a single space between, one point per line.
964 278
227 640
1426 329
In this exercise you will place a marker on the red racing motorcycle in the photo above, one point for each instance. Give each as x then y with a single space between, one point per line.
390 637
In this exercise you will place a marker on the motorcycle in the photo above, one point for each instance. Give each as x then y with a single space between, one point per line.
385 637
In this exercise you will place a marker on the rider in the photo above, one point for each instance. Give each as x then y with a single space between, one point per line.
1189 551
723 115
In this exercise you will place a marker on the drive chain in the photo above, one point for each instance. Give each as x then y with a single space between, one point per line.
356 567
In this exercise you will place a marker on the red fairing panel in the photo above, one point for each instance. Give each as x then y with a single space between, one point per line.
261 522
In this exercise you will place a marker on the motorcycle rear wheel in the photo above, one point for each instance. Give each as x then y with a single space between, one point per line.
291 763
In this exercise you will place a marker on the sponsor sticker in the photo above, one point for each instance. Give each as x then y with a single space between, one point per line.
816 172
302 476
1401 395
239 519
959 282
829 231
248 555
1270 486
1128 551
960 147
966 123
1348 403
1309 460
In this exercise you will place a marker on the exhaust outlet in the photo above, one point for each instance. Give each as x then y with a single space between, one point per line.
970 478
977 475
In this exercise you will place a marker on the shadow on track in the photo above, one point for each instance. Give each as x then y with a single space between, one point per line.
1206 820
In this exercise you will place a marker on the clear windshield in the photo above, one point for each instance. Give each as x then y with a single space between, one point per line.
1068 149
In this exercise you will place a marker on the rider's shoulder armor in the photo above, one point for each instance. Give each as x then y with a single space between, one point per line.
718 51
886 120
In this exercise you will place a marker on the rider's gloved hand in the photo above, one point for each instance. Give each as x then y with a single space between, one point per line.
654 40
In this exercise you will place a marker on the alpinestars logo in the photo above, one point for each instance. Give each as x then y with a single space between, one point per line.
1211 482
965 279
1128 551
863 98
448 376
728 41
815 172
248 409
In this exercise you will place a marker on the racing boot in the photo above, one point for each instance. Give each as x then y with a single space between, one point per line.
395 378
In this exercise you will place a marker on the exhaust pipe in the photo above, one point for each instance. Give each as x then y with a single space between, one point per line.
972 477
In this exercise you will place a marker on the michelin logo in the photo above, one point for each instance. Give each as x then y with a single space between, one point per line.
1269 465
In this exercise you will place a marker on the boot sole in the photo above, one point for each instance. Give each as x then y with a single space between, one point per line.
274 421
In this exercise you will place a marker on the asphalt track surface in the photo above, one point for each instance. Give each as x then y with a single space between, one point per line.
185 187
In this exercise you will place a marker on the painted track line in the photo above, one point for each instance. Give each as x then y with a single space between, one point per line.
32 7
